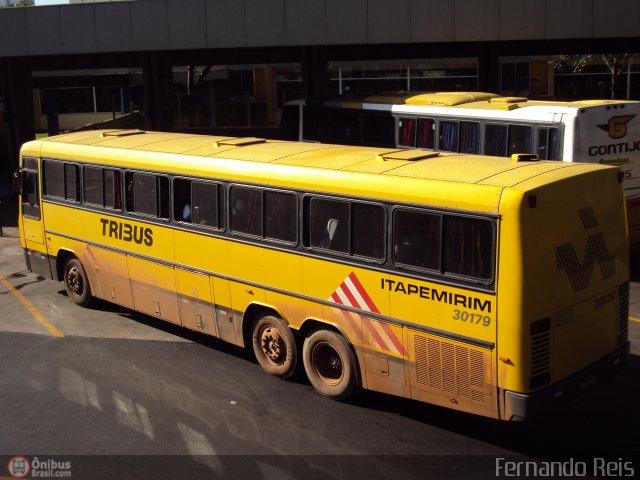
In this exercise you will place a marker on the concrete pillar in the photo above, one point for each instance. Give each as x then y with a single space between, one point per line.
158 91
17 96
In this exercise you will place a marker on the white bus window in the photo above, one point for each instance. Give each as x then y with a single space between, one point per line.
469 138
407 132
520 139
448 140
548 144
426 133
495 140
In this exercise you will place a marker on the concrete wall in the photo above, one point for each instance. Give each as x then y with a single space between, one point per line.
144 25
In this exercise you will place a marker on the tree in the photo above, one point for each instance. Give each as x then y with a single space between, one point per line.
21 3
616 63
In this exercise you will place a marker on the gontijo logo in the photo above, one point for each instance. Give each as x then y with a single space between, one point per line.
617 126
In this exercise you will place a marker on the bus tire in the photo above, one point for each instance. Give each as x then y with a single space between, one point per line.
274 346
76 282
330 364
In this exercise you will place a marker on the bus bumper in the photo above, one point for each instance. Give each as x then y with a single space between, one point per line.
521 407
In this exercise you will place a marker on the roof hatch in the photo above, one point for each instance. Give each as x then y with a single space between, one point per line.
410 155
239 142
121 133
448 98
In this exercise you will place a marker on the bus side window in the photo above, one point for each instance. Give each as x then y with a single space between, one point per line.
246 210
416 239
548 143
71 182
148 194
468 247
367 230
354 228
112 189
53 173
30 195
426 133
329 224
281 215
61 180
520 139
448 139
495 140
469 138
92 185
182 200
144 194
204 209
406 132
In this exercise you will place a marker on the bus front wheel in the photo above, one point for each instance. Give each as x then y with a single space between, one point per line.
330 364
76 282
274 346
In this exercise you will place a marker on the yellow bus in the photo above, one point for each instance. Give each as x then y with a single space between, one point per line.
488 285
592 131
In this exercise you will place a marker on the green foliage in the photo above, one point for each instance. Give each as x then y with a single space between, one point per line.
21 3
576 63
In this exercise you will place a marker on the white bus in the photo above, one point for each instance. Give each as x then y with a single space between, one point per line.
594 131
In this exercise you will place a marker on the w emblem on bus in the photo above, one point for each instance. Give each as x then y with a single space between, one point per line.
579 272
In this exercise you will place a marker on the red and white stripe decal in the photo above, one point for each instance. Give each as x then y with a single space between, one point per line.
351 293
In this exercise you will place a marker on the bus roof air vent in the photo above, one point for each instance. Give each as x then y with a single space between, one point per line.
239 142
507 103
450 99
525 157
121 133
508 99
410 155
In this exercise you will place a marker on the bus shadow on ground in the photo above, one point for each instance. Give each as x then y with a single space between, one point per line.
600 423
576 428
167 327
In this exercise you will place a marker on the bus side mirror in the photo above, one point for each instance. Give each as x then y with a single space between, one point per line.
17 181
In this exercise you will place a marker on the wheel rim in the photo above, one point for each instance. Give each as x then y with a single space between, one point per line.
327 363
74 281
272 344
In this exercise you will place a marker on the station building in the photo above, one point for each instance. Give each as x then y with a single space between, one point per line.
229 65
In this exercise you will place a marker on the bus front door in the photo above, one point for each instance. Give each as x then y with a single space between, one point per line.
31 221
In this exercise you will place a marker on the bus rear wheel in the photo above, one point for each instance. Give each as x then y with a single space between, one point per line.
274 346
330 364
76 282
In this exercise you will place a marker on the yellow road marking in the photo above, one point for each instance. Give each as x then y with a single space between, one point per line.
34 311
634 319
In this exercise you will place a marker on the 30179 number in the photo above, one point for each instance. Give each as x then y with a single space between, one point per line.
472 318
